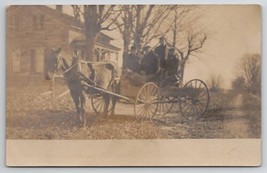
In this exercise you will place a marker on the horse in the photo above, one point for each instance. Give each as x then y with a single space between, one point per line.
78 75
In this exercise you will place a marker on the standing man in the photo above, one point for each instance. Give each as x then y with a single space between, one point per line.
162 52
150 64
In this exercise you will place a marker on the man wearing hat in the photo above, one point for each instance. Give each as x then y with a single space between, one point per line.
171 67
150 64
162 52
172 62
132 61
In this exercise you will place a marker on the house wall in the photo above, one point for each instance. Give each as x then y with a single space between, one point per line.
26 39
32 32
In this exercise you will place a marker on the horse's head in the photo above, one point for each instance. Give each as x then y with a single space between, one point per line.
53 63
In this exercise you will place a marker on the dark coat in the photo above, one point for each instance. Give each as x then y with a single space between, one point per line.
172 64
162 52
150 63
133 63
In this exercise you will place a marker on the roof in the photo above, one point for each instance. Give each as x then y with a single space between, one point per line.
81 42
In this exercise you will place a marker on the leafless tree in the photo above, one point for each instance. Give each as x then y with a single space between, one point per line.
186 35
215 82
96 18
250 66
150 23
125 24
238 84
140 24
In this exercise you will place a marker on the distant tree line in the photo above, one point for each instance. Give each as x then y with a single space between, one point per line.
249 74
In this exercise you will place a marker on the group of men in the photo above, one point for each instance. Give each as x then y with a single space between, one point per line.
162 61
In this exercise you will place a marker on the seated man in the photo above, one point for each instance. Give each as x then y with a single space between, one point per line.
132 61
171 67
150 64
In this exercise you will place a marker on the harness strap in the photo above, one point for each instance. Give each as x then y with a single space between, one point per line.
71 67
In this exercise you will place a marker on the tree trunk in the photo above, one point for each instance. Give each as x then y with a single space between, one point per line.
182 68
92 30
90 46
138 34
125 52
175 29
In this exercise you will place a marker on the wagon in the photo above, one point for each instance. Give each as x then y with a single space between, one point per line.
150 99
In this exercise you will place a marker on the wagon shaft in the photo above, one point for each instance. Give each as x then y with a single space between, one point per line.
107 92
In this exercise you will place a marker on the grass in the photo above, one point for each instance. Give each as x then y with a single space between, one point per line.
221 100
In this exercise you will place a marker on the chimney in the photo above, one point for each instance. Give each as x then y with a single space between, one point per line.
59 8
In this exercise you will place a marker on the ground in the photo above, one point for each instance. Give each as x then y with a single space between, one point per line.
34 114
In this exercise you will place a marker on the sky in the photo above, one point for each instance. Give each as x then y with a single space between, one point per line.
233 30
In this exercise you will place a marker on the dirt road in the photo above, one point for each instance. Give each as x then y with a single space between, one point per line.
239 122
34 116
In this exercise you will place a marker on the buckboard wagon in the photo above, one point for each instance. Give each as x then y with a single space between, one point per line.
151 100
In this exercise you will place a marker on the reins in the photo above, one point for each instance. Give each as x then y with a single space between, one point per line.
71 67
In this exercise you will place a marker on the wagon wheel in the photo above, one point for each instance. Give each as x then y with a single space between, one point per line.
165 105
98 103
146 102
195 101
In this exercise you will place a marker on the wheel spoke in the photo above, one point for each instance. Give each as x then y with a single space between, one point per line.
201 105
142 101
97 99
196 99
199 108
203 92
101 107
145 112
96 105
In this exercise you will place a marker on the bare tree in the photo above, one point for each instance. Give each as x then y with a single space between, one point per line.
250 66
96 18
150 23
186 34
238 84
216 82
140 24
125 24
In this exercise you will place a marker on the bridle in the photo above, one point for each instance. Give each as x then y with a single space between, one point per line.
60 63
60 58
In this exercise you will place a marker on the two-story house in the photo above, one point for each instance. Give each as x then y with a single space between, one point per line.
33 30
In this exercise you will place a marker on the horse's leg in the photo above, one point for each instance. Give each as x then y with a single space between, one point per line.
76 100
114 101
106 100
114 98
83 107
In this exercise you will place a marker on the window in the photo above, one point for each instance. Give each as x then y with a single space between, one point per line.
14 23
38 22
16 60
37 60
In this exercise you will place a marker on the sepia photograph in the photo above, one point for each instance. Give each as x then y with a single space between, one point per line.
132 72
